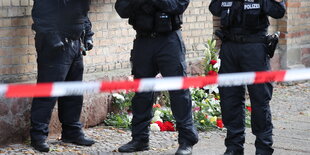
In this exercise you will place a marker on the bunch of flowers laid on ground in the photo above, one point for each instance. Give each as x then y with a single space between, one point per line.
159 124
205 102
121 115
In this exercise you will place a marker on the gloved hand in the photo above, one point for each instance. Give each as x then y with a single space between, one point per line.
89 45
55 41
59 46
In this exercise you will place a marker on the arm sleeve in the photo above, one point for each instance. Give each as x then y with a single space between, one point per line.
123 8
175 7
274 9
215 7
88 30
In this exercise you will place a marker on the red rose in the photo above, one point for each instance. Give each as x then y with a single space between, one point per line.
206 116
161 126
156 106
169 126
249 108
213 62
196 109
212 73
219 123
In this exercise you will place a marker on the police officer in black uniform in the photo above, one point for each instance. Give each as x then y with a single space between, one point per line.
245 48
61 27
158 47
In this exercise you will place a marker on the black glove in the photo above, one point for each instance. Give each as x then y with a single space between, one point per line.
55 41
89 45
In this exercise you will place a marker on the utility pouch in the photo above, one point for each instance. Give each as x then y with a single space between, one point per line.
163 22
142 22
251 20
251 15
272 42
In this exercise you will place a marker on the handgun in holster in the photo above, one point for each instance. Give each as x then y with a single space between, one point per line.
272 42
83 47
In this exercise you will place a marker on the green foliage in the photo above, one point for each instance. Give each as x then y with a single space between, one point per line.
118 120
206 108
202 123
211 53
167 115
122 101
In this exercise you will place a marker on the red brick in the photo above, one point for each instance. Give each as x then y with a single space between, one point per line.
293 4
305 51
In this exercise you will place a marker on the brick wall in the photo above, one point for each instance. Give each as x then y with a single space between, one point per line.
17 53
113 38
108 60
297 36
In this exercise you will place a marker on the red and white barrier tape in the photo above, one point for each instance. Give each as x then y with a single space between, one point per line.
150 84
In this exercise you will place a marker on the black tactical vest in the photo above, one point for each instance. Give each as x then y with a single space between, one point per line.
245 14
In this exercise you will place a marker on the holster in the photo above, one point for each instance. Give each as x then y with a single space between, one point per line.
272 42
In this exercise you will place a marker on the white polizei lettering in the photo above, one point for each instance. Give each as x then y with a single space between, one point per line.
3 89
226 4
251 6
75 88
168 83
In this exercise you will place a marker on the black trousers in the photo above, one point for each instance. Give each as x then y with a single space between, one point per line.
57 65
246 57
164 54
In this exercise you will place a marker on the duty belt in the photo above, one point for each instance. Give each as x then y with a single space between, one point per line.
141 34
147 35
240 38
247 39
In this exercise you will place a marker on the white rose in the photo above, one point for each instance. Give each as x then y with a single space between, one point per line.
157 113
129 116
154 127
218 64
157 118
118 96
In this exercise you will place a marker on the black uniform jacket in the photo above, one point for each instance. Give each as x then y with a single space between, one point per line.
251 16
61 15
125 8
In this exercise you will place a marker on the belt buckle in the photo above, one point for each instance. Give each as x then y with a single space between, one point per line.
239 38
153 35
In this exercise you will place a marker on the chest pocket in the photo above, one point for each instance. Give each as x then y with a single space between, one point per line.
251 15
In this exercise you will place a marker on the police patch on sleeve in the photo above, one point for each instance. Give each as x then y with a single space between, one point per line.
226 4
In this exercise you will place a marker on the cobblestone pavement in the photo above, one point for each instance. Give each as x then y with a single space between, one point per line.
291 117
